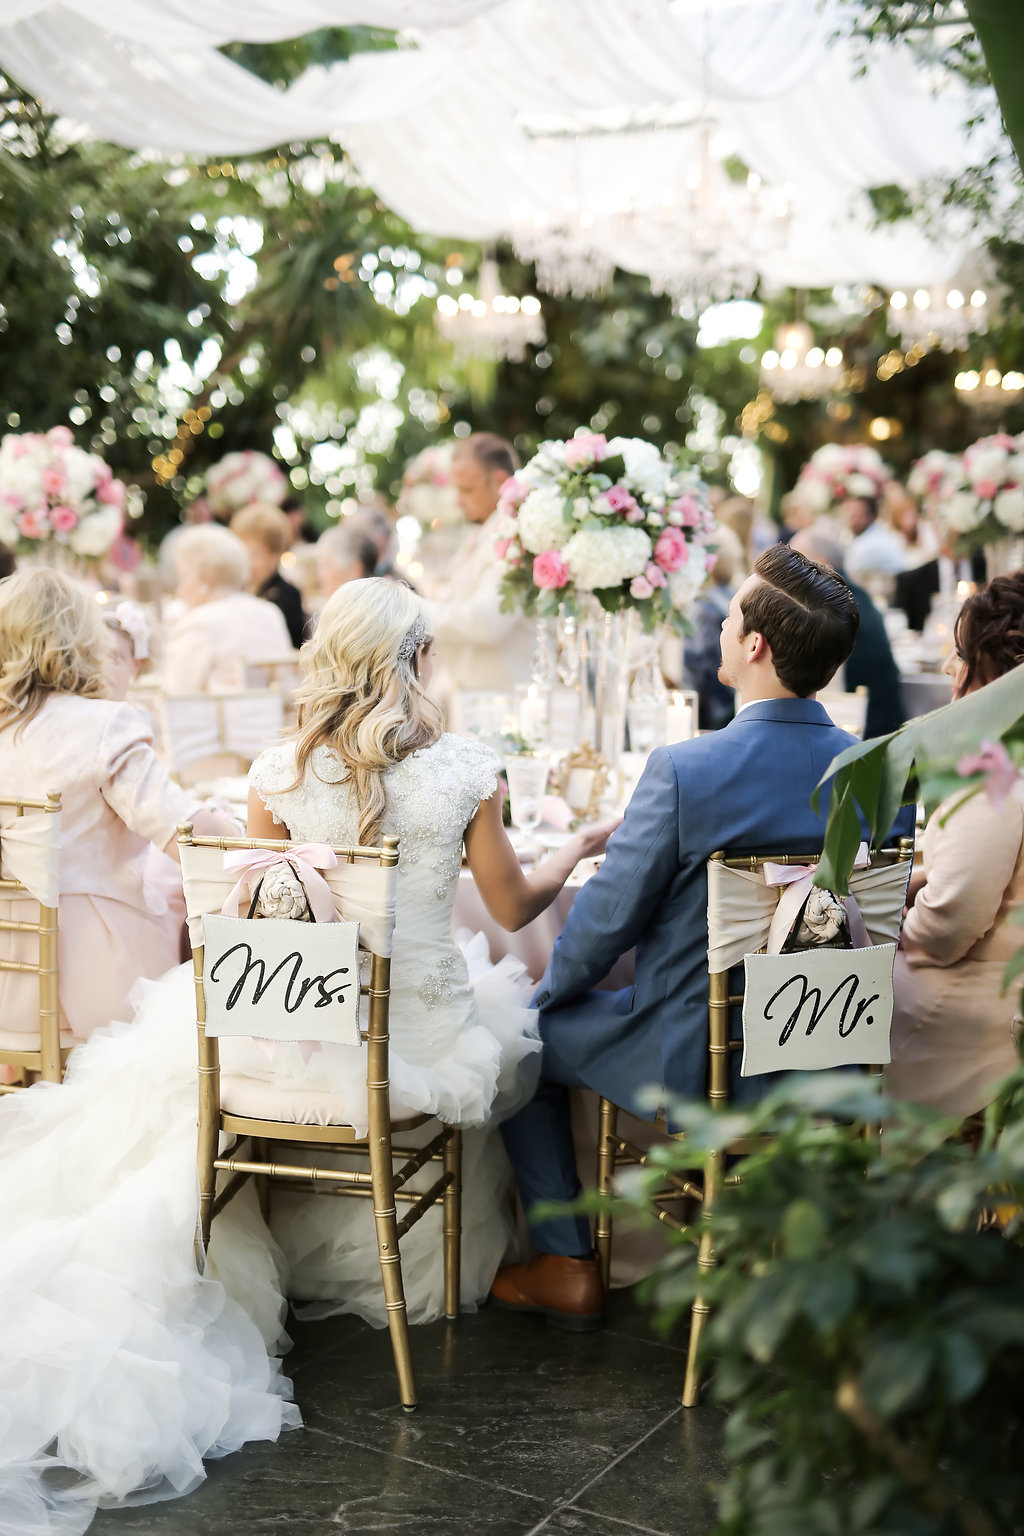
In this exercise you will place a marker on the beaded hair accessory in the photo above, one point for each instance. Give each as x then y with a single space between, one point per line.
412 640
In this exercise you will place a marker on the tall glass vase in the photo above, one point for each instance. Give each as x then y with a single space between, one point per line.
603 679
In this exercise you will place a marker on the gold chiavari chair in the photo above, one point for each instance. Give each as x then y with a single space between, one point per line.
236 1110
880 891
213 735
29 851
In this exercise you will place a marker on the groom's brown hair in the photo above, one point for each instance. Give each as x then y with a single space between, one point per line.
806 613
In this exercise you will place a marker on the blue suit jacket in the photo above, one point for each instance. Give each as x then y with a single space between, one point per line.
745 787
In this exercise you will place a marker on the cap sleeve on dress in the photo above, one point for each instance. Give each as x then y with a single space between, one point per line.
272 776
479 764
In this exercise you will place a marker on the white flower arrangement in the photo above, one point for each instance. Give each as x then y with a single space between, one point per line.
929 474
612 519
427 492
836 471
981 497
53 493
239 478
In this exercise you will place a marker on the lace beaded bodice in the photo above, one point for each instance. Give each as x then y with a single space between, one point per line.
432 797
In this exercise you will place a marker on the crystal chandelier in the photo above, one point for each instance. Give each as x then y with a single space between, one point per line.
937 318
797 368
705 245
566 256
493 325
990 390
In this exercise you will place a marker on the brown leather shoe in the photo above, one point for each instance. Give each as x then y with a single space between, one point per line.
568 1292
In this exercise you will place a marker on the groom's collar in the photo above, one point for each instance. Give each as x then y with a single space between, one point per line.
792 711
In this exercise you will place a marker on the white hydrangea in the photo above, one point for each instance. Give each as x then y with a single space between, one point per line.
861 485
814 494
1015 468
1009 509
606 557
82 471
8 529
684 584
541 521
548 463
986 464
95 533
963 511
646 470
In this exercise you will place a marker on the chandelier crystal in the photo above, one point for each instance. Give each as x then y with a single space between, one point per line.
939 318
989 390
797 368
565 255
494 325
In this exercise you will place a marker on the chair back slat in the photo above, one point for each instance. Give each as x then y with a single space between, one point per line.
30 832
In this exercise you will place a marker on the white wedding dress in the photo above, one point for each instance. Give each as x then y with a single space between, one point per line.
120 1367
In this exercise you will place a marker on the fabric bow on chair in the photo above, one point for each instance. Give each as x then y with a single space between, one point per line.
306 859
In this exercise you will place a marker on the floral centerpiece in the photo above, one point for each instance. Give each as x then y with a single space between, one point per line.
612 520
239 478
56 496
982 499
835 472
929 474
427 492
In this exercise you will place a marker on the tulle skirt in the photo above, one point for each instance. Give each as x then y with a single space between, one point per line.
121 1367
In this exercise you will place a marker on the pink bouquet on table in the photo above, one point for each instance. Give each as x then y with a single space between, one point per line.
835 472
930 473
239 478
427 492
614 520
55 494
982 497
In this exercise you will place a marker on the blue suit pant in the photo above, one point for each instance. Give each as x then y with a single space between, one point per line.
538 1140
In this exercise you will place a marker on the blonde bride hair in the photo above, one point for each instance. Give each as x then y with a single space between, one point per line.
52 640
361 694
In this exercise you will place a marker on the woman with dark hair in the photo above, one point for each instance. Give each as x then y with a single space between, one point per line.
953 1029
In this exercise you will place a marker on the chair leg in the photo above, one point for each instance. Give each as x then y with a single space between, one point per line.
209 1139
261 1180
713 1174
451 1153
386 1220
607 1123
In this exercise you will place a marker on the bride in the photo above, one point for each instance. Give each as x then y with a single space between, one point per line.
121 1367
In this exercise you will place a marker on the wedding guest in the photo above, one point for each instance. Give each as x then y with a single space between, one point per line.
871 664
303 529
378 523
267 535
482 646
917 535
952 1032
941 576
702 653
121 906
344 554
791 625
130 637
223 626
874 555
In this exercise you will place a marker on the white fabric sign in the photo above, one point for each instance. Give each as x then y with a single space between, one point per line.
281 980
817 1008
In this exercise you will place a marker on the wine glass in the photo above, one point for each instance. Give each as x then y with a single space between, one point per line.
527 780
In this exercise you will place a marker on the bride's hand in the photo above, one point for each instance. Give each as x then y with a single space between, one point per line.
591 839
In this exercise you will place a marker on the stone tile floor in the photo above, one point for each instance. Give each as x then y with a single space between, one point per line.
521 1429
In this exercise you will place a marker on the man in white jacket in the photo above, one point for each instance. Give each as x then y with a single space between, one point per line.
482 646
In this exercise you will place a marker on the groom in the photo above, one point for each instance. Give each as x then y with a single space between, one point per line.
790 626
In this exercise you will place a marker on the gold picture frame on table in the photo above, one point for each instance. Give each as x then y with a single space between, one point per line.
582 780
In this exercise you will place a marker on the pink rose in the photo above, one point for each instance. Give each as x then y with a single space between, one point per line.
985 489
104 473
54 482
671 550
584 449
501 547
997 765
513 492
13 500
112 494
655 575
63 437
640 587
63 519
619 499
635 514
689 509
550 570
32 526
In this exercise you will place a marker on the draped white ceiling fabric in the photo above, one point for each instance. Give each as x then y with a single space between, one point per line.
500 113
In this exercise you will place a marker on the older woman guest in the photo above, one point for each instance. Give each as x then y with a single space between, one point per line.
121 906
267 535
224 626
952 1036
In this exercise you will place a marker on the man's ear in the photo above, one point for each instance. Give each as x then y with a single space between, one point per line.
757 646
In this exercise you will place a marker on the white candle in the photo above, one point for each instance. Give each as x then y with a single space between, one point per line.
533 717
679 720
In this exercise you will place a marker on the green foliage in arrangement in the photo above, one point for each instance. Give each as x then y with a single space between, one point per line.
867 1332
